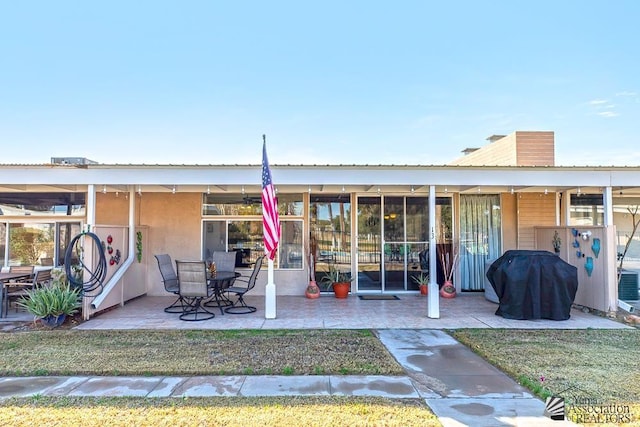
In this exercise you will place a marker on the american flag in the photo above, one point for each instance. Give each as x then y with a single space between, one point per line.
270 219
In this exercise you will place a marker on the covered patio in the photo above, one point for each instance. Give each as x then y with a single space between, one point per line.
470 310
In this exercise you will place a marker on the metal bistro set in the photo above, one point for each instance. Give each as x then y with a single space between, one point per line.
205 285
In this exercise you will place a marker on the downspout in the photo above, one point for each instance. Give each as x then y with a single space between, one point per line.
90 222
98 300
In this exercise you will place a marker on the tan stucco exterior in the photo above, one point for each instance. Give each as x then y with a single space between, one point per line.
174 226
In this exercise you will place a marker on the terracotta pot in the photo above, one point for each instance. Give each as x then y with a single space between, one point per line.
448 290
424 289
341 289
312 291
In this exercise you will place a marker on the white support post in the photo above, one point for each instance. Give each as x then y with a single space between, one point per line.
91 207
433 297
607 197
270 294
566 208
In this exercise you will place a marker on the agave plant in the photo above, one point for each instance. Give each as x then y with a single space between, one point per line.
335 275
53 300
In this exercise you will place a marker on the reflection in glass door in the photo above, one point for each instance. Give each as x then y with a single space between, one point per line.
394 246
406 225
369 244
390 262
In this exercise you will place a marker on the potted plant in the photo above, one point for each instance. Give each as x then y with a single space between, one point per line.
312 291
423 283
54 302
337 280
448 259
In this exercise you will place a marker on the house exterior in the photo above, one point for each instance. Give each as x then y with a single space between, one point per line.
384 223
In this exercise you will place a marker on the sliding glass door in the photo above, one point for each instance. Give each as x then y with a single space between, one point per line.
369 244
330 229
392 242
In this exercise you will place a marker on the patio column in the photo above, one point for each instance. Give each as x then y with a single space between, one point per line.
91 206
433 297
607 200
566 208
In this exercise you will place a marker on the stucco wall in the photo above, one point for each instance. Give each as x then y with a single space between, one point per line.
174 226
112 209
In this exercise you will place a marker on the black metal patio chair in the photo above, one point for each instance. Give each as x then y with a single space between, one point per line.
240 306
170 280
194 288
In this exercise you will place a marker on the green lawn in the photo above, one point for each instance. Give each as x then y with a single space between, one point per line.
195 352
602 365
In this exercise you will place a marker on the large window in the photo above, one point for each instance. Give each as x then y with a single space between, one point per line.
586 209
241 228
245 237
36 243
28 243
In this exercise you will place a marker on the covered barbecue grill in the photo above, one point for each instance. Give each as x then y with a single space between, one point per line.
533 285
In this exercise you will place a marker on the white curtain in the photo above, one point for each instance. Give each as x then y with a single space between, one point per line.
480 239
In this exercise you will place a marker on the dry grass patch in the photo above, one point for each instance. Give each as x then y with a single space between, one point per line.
602 364
195 352
266 411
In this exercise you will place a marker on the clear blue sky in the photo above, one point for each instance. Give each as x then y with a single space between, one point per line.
365 82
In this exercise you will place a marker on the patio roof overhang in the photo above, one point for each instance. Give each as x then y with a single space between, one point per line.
318 178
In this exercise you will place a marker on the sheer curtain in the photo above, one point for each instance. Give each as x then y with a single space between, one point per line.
480 239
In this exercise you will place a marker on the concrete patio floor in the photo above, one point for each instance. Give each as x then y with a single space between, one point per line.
327 312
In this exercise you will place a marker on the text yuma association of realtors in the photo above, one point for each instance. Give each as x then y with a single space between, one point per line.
588 412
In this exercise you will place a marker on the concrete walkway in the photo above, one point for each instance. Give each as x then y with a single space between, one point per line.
459 386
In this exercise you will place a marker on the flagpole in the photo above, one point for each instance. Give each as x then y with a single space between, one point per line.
270 294
270 289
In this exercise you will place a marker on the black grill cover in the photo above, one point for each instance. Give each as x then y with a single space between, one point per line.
533 285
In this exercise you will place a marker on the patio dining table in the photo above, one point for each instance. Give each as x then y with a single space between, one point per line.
219 281
4 278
